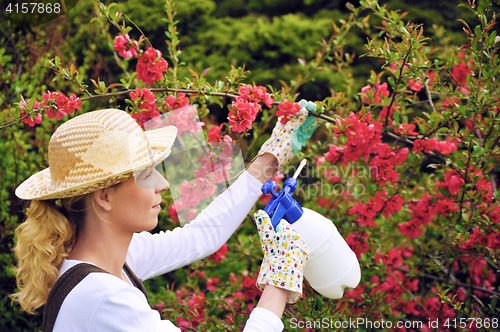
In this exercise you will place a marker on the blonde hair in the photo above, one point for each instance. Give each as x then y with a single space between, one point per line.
44 240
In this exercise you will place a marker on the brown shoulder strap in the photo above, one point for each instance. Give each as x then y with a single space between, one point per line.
135 280
61 289
67 282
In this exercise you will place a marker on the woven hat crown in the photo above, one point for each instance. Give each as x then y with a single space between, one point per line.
95 150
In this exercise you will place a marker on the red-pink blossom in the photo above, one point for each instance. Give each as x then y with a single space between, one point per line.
214 134
414 85
242 115
172 212
260 93
383 113
394 204
145 99
357 242
453 182
173 103
333 154
126 47
379 92
211 282
59 104
286 110
425 145
37 117
184 119
151 66
406 129
146 103
460 73
219 254
445 147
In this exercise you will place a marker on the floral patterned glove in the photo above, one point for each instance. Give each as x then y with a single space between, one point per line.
285 254
288 138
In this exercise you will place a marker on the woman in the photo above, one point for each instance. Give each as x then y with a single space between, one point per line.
95 204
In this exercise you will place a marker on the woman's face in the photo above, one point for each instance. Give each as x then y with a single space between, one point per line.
136 202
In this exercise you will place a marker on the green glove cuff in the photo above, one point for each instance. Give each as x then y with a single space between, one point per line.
306 129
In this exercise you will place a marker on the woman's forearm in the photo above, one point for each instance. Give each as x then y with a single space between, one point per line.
274 299
263 167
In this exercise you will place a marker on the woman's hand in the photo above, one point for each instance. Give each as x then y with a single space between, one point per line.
285 254
288 138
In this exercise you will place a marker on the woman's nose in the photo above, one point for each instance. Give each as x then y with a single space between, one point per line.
160 183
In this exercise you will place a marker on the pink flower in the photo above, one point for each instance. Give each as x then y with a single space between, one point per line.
245 90
242 115
172 103
151 66
357 242
173 213
219 254
393 205
333 154
380 91
60 104
446 147
248 282
410 230
74 103
260 93
185 119
460 73
146 102
211 282
32 119
383 113
454 181
214 134
406 129
427 145
414 85
144 97
126 47
287 109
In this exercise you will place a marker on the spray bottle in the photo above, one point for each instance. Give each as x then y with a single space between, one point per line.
332 265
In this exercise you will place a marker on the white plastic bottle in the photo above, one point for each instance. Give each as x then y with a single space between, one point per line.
332 265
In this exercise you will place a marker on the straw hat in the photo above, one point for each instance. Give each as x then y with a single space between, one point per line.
96 150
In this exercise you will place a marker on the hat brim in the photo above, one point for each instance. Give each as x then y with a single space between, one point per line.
38 186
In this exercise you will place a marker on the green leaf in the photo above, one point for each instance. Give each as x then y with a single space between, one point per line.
459 228
465 217
396 116
391 81
478 151
444 191
32 101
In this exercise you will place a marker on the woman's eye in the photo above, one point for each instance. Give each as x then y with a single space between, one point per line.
149 174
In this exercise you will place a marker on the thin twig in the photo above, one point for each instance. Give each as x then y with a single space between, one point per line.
429 98
217 94
397 85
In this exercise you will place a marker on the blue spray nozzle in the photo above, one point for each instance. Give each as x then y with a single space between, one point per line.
282 205
268 188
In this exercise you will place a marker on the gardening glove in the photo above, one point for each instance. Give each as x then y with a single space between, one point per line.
285 254
289 138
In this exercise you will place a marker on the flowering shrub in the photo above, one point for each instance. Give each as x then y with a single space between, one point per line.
406 167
